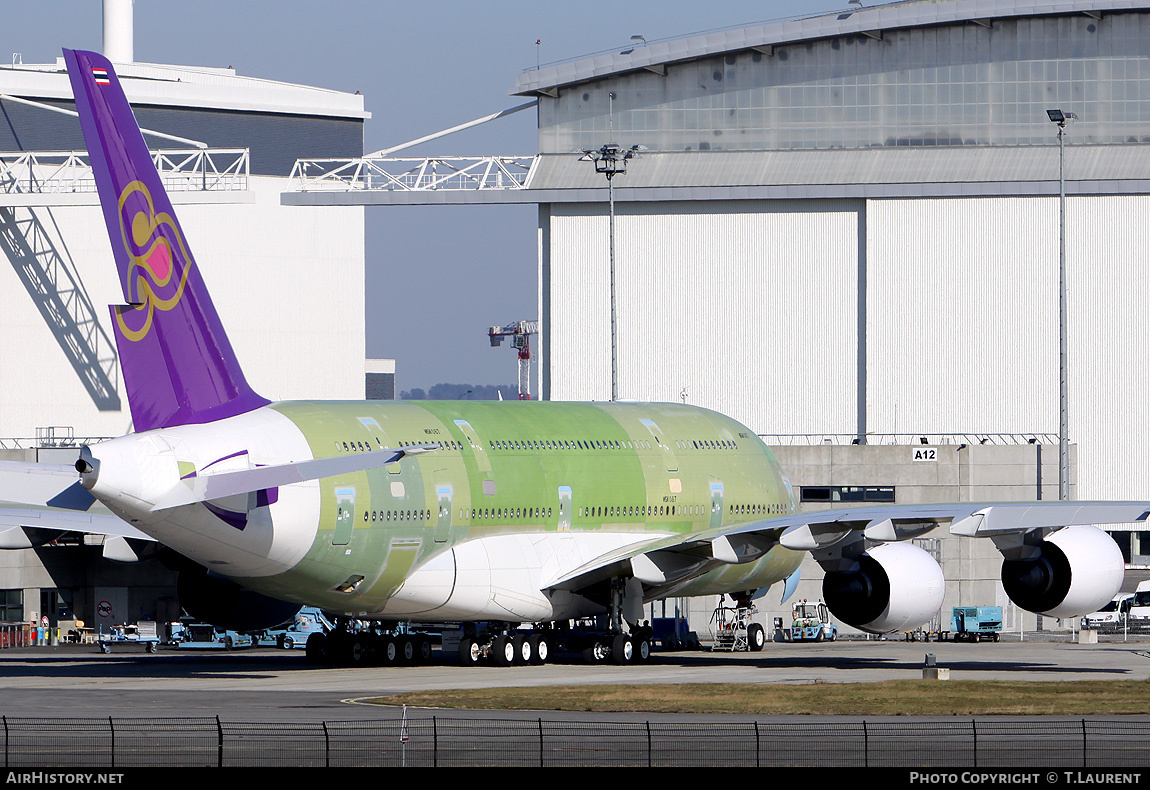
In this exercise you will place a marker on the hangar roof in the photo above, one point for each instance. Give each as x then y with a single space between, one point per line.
189 87
871 21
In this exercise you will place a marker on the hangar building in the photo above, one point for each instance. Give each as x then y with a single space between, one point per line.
60 382
843 230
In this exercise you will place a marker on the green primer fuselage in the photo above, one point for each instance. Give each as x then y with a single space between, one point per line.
635 470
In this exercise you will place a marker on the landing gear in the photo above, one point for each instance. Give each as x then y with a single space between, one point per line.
756 638
356 644
504 646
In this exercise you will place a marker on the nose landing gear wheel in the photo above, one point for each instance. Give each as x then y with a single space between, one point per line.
756 637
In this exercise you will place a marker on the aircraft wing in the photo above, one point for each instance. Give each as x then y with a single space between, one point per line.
50 497
832 535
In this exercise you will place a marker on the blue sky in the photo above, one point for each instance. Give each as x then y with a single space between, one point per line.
436 276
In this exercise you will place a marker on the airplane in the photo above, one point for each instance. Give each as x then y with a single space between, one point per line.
491 515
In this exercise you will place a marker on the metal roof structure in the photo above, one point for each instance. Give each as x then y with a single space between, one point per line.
872 22
189 87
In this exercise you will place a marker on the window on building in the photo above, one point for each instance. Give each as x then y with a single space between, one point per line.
847 494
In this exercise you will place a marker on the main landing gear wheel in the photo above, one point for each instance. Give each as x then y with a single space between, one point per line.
359 651
407 648
390 651
423 649
642 650
504 651
623 649
540 649
469 653
756 637
523 649
597 653
316 648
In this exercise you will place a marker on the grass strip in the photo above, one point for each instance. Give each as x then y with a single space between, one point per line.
886 698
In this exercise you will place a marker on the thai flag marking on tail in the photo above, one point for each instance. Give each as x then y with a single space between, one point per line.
101 76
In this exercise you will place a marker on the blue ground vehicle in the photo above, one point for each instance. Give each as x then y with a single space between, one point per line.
186 634
142 633
307 621
976 623
812 623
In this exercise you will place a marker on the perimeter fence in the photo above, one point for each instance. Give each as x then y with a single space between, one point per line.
438 741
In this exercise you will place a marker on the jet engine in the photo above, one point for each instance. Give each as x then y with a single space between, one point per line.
222 602
1073 572
896 587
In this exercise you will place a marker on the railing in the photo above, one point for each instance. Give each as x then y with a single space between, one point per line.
412 174
440 742
57 172
812 439
48 438
17 635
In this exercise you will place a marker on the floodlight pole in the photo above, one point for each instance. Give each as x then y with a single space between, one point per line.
1059 117
611 160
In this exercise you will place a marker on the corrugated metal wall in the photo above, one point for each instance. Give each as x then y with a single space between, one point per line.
752 308
286 280
962 315
721 301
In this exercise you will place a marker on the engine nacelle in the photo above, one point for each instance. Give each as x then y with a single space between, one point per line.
1077 570
897 587
224 603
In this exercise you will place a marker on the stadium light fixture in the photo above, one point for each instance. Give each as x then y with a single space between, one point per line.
1060 118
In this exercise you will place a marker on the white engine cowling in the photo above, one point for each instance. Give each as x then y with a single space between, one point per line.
1077 570
897 587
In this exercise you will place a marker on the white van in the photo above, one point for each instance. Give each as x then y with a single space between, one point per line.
1140 606
1112 614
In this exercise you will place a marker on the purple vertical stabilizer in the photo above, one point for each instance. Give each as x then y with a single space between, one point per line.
178 365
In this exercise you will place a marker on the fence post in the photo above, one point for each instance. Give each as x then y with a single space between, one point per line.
5 741
326 746
434 743
974 729
541 742
112 731
649 756
866 746
1084 752
219 743
757 765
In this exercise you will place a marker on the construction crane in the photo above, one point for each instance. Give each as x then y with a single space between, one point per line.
520 333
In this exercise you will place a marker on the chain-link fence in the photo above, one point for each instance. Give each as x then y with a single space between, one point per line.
438 741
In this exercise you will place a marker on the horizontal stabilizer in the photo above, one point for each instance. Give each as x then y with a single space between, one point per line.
45 485
207 487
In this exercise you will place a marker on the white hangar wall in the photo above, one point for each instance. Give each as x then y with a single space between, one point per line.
286 280
752 306
713 299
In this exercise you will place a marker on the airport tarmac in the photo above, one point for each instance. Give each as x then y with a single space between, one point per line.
270 685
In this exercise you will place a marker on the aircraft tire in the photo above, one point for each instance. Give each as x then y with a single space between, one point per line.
469 653
756 638
642 650
623 649
540 649
389 650
596 653
408 650
316 649
361 650
503 651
